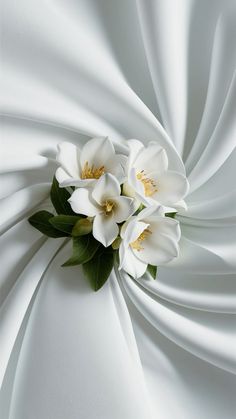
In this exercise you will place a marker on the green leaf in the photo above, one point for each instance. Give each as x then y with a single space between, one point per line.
64 222
59 197
84 248
152 270
98 269
170 214
40 220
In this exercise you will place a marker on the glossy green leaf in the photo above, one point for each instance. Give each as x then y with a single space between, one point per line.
152 270
84 248
98 269
40 220
64 222
59 197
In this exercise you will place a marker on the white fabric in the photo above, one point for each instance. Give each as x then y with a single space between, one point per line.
156 70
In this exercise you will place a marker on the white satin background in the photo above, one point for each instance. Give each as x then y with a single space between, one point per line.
153 70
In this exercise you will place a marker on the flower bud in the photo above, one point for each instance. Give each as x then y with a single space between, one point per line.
82 227
116 244
127 190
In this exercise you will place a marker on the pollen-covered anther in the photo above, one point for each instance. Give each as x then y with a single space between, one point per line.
108 206
150 186
137 244
92 172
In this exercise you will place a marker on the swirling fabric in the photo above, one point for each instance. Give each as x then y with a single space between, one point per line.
153 70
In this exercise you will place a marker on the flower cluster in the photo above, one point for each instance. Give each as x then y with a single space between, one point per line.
115 205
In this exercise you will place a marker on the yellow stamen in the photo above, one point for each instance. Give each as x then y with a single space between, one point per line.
108 207
149 185
136 245
92 172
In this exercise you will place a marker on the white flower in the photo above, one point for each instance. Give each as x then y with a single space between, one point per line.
148 175
148 238
105 204
81 167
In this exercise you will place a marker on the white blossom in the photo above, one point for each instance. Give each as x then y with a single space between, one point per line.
148 238
82 167
106 205
149 177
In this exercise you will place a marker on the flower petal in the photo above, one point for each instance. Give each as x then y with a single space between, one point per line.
127 190
136 184
152 158
171 187
130 263
154 210
62 177
135 146
117 166
65 180
68 157
106 187
181 206
124 207
132 229
105 230
165 225
158 250
97 152
81 203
